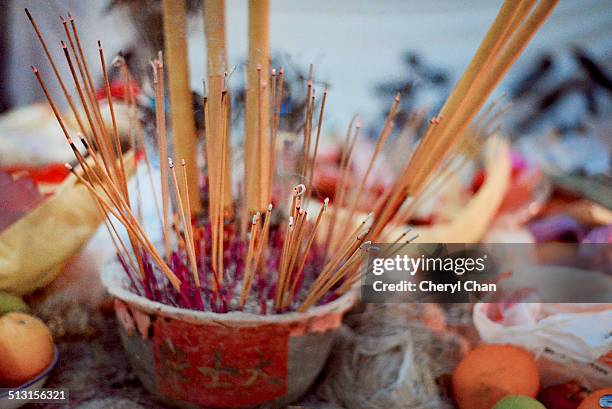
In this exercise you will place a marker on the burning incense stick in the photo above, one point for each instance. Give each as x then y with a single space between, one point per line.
181 106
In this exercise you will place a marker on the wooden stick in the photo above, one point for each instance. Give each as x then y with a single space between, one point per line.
162 146
60 121
220 212
469 95
316 146
215 153
212 160
283 261
129 221
349 245
194 266
101 136
453 103
181 105
177 232
184 218
261 122
114 121
256 183
105 182
246 281
339 192
99 140
353 273
500 66
89 82
119 244
135 232
119 209
261 246
479 67
136 138
294 250
483 85
301 264
278 97
382 139
214 30
307 128
94 136
347 267
75 112
319 289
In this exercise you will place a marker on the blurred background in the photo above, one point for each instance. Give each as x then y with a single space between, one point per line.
355 46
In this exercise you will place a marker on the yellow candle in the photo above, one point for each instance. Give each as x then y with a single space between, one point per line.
257 108
214 29
181 107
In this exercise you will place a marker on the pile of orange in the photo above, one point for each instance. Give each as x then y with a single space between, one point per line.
26 348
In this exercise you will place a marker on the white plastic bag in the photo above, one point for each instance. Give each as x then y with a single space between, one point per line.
570 341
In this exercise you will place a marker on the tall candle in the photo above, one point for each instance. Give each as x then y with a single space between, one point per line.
257 108
181 107
216 45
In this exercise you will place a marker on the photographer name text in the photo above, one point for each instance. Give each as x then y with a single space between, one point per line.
433 287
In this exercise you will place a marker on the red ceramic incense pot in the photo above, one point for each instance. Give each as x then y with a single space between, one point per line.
193 358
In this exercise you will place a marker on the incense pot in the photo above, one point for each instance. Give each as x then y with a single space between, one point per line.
194 359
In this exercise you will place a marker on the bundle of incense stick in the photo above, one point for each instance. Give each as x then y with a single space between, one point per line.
515 25
207 263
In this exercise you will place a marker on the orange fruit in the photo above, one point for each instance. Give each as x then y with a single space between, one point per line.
592 401
491 372
26 348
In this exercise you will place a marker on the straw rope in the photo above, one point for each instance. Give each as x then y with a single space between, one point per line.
384 359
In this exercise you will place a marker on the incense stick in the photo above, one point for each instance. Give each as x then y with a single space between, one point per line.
249 264
465 101
181 105
184 217
382 139
256 164
341 188
214 30
114 121
162 146
75 112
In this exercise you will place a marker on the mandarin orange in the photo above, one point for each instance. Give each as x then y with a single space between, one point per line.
491 372
26 348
